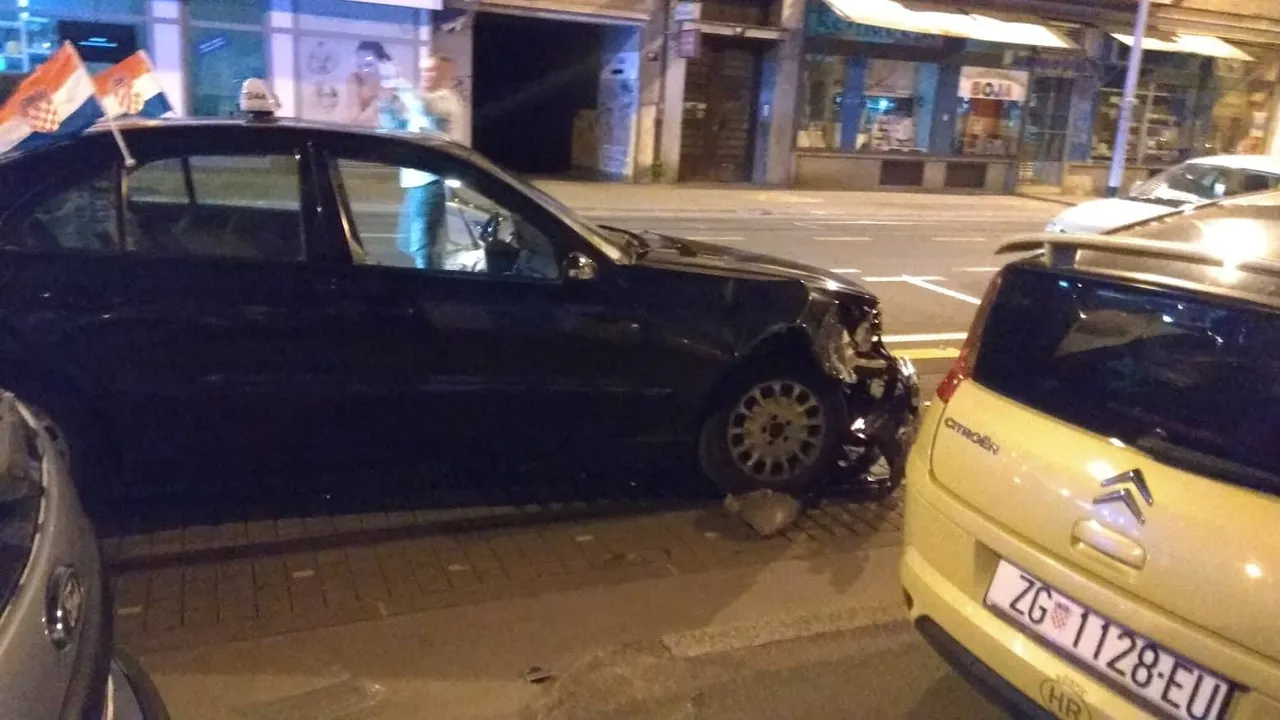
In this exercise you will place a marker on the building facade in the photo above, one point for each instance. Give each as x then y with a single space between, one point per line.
1002 102
812 93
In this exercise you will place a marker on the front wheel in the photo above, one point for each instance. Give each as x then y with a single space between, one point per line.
776 430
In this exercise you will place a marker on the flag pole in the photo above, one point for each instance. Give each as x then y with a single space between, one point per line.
129 162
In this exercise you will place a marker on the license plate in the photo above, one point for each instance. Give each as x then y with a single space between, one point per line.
1166 681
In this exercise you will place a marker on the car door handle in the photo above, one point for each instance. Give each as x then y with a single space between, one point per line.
1091 535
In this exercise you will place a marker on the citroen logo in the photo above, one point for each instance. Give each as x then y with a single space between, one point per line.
1125 494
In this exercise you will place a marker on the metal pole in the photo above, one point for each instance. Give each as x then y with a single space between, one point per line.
1121 144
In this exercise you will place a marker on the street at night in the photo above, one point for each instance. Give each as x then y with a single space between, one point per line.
652 605
639 359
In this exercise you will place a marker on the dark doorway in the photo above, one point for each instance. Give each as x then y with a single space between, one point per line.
722 86
531 78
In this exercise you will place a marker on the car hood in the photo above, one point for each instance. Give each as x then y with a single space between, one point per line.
703 257
1099 216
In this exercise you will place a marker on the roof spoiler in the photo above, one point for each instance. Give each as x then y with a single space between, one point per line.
1062 251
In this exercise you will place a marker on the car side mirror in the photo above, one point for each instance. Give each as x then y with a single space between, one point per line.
579 267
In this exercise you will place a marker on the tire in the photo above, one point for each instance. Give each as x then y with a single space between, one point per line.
775 426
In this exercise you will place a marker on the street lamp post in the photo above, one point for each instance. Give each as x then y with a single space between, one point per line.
1121 145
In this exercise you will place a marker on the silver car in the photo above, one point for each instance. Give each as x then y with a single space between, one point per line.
56 654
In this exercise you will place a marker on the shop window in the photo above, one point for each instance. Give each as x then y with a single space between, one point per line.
246 12
989 113
867 105
22 52
221 60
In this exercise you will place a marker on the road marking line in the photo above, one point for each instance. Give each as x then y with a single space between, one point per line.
924 283
838 237
864 222
806 225
959 239
928 353
900 278
846 270
713 238
980 269
924 337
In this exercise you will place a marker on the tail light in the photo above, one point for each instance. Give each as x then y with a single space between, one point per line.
963 367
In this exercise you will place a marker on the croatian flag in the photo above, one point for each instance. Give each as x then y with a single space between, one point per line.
130 88
55 102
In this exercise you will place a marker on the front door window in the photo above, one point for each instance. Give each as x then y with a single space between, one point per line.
411 217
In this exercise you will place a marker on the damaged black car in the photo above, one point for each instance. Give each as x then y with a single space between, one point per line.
263 292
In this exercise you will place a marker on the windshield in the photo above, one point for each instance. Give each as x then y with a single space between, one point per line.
1193 381
1197 182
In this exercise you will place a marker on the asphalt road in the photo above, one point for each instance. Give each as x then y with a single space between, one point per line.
928 262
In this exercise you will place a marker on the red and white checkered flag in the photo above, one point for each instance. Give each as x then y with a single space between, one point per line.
40 112
1060 615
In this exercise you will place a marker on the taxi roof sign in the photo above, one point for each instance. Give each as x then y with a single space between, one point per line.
257 99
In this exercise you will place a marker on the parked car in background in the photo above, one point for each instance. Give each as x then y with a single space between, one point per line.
238 301
55 624
1092 503
1185 185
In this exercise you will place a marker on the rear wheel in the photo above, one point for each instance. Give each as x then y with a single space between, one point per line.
774 428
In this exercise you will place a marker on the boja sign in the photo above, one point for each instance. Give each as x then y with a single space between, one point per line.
993 84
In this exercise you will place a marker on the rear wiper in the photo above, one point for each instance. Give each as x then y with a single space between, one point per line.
1157 445
635 241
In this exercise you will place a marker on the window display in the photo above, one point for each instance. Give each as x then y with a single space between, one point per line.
866 104
989 115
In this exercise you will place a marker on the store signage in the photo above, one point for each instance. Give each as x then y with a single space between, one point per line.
682 11
689 43
993 84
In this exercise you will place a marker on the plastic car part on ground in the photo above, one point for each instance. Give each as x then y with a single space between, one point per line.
766 511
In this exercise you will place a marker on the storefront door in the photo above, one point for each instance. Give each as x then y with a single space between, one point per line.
721 89
1043 148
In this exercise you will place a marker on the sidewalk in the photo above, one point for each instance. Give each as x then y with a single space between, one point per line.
170 601
602 646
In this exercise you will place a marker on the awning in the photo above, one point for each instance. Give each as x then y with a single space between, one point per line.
892 14
1206 45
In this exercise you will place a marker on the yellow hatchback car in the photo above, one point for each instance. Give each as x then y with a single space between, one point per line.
1093 501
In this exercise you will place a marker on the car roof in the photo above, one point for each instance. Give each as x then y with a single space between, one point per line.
1228 247
1260 163
133 126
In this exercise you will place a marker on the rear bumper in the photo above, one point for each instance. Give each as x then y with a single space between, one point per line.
945 571
132 695
995 688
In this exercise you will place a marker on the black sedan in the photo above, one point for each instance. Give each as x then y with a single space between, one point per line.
248 295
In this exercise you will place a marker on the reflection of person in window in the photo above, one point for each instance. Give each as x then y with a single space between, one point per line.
431 107
363 86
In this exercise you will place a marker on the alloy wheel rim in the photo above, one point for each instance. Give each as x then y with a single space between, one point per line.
776 431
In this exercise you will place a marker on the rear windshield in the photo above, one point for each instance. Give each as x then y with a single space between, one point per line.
1193 382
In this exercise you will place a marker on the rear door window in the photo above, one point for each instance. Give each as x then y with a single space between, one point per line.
1191 380
232 206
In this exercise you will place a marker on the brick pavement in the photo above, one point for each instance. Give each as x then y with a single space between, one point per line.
226 588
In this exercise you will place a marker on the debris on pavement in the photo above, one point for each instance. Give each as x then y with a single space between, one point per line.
349 697
766 511
537 675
